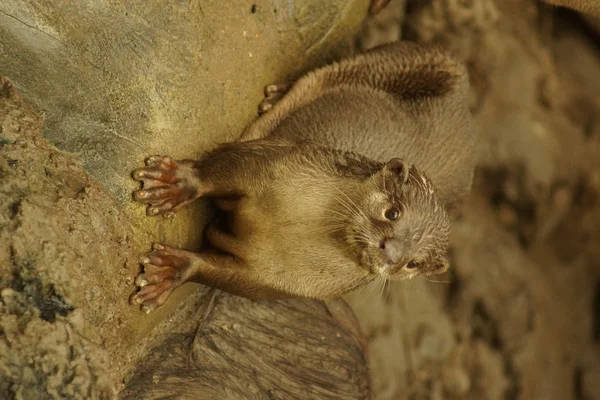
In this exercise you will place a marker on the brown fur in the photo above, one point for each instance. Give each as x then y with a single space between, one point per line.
377 6
310 185
591 7
401 100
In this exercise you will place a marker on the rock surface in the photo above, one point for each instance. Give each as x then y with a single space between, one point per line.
112 83
517 317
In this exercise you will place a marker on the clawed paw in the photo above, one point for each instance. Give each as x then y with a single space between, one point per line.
273 93
167 185
164 270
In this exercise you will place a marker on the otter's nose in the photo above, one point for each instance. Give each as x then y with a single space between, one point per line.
393 249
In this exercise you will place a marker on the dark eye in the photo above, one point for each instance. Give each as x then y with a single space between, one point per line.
413 264
392 214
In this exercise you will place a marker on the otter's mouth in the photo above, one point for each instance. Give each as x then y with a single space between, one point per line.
358 245
394 272
371 261
364 258
367 254
377 265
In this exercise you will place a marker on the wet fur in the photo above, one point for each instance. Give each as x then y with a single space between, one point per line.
403 100
307 184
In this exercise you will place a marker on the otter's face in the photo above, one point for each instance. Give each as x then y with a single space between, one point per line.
403 228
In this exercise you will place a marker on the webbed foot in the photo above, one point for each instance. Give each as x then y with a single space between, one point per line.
167 185
165 268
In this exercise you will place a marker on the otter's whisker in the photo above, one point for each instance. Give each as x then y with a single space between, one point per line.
352 212
363 289
373 287
340 214
353 204
326 229
434 281
381 282
388 291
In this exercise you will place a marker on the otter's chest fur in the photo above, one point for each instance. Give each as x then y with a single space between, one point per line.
290 231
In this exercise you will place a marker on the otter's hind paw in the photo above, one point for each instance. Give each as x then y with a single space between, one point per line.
273 93
377 5
167 185
165 268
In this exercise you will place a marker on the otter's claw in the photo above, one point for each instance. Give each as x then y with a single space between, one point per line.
141 280
154 160
167 184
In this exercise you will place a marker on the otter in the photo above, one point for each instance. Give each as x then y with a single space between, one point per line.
345 177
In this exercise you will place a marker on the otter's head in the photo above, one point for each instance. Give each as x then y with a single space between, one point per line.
401 228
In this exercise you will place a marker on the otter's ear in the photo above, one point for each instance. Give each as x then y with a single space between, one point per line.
440 266
398 168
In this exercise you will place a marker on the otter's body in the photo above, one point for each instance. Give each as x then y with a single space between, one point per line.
345 179
401 100
285 220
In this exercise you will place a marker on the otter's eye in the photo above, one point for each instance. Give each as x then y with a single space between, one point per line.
392 214
413 264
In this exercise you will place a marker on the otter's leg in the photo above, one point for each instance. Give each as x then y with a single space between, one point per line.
226 204
223 241
408 71
273 93
378 5
166 268
230 171
167 185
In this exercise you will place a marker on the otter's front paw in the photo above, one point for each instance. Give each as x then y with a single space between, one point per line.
165 268
167 185
273 93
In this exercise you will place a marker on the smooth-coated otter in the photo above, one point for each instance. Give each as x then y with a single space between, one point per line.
345 178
